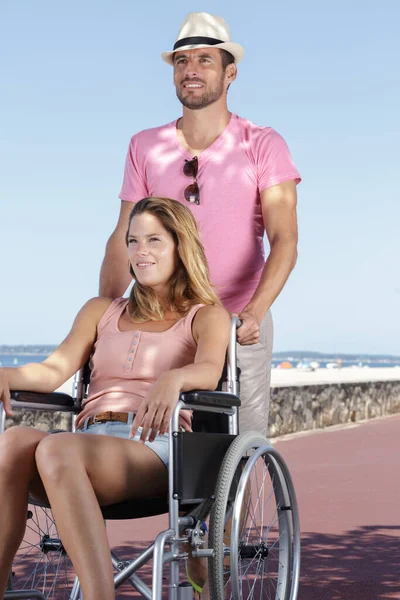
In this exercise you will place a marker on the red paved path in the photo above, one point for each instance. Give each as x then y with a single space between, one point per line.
348 487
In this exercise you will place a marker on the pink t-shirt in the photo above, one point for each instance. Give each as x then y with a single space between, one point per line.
125 364
242 162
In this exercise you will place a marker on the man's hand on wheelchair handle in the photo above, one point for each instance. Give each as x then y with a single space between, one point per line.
156 409
5 393
249 331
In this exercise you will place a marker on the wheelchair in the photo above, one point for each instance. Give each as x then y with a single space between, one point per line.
237 483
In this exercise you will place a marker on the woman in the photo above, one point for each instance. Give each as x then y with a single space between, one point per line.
169 336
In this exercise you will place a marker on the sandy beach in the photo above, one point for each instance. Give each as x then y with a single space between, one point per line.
299 377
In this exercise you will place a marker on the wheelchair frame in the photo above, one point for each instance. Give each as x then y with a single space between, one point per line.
225 402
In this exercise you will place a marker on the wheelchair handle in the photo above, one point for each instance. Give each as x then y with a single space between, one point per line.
232 356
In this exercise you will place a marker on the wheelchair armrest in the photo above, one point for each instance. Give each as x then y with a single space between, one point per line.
207 398
43 401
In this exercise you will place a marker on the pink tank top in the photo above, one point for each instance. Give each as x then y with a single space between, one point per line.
126 363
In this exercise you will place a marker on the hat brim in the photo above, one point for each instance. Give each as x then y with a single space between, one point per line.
236 50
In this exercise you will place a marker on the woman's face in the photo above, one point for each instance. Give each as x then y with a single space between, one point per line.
152 252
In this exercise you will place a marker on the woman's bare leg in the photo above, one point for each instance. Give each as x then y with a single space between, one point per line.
17 473
80 471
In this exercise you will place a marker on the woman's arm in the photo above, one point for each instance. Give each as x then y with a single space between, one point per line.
211 329
70 356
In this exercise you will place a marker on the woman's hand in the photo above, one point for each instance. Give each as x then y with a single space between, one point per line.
5 393
156 409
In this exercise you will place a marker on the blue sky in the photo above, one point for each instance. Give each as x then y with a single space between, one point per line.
79 78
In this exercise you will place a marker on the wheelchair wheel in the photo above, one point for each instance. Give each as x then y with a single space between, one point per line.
254 525
41 562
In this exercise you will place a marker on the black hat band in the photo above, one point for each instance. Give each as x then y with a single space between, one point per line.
189 41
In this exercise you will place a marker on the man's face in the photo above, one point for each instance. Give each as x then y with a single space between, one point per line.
199 77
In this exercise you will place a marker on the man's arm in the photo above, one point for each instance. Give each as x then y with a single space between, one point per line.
114 273
280 220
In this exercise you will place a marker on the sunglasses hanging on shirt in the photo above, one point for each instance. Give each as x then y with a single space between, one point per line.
192 192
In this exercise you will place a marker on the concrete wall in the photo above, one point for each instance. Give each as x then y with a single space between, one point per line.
301 408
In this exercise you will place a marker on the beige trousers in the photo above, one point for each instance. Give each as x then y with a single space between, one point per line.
255 379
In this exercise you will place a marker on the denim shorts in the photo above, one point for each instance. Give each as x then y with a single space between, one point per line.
121 430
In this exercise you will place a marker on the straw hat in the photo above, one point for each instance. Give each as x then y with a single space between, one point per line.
202 30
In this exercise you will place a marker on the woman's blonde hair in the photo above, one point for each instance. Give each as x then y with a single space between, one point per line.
190 284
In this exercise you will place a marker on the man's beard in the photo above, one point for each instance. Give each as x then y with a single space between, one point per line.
199 102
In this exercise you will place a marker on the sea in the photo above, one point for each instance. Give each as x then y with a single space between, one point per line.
18 360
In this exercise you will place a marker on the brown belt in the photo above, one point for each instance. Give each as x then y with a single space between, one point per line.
109 415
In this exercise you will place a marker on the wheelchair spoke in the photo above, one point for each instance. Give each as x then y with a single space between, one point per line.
255 580
259 492
40 566
53 587
37 522
272 585
29 549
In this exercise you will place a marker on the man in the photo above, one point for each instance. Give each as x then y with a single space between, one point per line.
238 179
